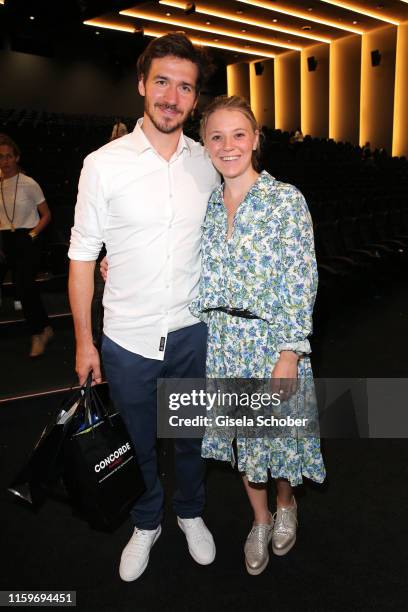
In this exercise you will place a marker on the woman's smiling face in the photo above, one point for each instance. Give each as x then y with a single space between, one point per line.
230 140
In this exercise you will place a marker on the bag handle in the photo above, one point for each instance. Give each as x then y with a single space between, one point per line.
71 399
93 403
101 409
86 388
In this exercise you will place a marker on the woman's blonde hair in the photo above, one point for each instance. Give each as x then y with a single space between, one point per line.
234 103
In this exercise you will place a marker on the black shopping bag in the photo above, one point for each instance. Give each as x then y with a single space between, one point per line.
101 472
44 467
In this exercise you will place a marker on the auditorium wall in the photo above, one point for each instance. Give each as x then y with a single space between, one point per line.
344 94
377 88
314 91
262 93
39 83
400 132
238 80
287 91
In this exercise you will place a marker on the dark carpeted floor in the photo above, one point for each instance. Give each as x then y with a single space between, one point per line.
351 552
357 337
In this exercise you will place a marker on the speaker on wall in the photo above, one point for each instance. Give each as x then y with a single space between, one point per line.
190 8
375 57
311 63
259 68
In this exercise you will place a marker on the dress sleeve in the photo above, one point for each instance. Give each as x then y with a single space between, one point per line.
297 284
90 215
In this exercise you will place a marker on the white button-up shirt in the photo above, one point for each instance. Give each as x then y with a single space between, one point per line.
148 211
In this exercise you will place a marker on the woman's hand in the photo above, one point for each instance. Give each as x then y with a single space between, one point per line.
103 268
284 375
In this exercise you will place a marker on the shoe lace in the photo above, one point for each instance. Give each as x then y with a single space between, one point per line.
139 541
280 517
195 530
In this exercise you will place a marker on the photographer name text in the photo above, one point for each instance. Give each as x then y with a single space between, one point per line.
244 421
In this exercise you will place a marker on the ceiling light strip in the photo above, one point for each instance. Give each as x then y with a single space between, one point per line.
245 20
348 6
302 15
205 28
208 43
110 26
176 4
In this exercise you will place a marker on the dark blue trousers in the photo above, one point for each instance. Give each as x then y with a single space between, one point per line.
133 386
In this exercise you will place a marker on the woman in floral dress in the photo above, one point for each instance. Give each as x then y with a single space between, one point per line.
257 291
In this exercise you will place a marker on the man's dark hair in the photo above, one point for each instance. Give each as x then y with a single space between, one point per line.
179 46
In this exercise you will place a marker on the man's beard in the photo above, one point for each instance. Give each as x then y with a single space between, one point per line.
163 126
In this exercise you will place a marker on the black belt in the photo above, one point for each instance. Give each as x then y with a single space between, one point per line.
237 312
18 230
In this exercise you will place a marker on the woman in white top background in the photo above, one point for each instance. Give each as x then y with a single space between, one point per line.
24 214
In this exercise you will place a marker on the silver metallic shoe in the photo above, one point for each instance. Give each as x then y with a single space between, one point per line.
256 548
284 530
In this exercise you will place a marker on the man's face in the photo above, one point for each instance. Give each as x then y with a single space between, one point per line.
170 92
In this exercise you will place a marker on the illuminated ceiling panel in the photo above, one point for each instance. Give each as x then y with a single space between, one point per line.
184 23
100 23
260 28
300 14
218 45
204 39
350 6
245 20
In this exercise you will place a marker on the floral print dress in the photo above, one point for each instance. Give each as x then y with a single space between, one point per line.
266 267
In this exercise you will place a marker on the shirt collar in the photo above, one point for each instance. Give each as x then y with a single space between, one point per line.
182 145
143 144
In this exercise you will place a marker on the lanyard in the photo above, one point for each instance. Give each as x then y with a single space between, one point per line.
14 203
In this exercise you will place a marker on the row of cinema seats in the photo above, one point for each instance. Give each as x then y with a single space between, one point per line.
359 205
53 148
369 248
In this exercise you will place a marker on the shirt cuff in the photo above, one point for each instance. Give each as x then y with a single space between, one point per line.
301 347
78 255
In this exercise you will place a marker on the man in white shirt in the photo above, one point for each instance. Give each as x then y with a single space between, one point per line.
145 196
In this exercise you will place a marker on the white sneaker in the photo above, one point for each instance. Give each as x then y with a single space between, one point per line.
135 555
199 539
18 305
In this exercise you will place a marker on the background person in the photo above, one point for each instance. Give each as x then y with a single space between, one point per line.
119 129
24 214
257 290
